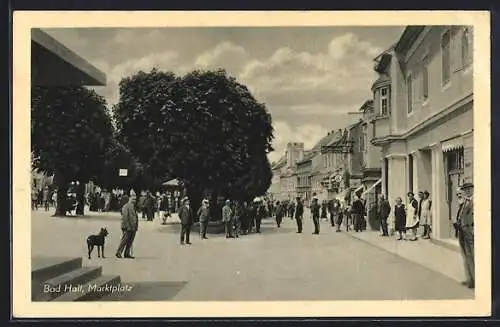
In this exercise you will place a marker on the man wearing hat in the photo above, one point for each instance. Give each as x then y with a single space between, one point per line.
204 217
299 214
465 231
186 217
227 218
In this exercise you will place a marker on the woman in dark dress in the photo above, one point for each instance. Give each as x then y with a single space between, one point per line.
400 218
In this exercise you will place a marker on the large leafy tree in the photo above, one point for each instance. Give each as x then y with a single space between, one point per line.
204 128
70 133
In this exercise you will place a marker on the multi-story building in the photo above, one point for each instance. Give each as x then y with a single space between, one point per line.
424 125
370 161
275 188
304 168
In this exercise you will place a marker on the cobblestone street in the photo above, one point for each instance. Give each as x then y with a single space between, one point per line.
275 265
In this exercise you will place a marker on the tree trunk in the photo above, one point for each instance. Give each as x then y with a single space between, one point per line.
80 197
193 192
215 214
62 194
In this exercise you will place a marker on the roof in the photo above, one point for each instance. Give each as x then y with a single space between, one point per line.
328 139
280 163
308 154
407 38
368 105
53 64
384 78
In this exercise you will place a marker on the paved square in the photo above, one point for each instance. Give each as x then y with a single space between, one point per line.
278 264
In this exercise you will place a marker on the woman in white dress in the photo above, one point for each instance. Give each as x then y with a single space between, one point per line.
426 216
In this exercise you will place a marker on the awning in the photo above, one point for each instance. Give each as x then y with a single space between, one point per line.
359 188
372 187
453 144
172 182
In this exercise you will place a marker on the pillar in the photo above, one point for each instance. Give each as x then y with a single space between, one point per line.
440 222
398 180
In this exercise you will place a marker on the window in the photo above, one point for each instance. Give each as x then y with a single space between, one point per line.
384 101
445 58
425 78
466 47
324 161
409 86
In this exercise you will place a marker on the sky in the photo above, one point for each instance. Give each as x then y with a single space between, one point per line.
308 77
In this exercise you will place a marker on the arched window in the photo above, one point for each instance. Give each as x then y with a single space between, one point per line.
466 47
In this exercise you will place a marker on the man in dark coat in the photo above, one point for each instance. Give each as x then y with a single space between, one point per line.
129 226
299 214
465 228
186 217
279 213
384 209
315 212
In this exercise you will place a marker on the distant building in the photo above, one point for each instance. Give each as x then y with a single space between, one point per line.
424 126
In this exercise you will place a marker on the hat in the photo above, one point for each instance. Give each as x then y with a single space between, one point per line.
466 186
205 201
228 201
185 199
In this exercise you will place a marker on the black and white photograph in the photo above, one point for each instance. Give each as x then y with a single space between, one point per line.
236 163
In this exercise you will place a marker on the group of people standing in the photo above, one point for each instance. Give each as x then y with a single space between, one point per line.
418 214
353 214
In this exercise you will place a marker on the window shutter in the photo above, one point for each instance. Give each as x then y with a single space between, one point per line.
456 50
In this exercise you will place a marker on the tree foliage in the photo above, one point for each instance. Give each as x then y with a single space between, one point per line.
204 128
70 133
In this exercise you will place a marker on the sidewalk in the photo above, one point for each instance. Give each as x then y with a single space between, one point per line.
423 252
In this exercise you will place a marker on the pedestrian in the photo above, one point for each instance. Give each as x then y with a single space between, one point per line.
186 217
140 205
323 210
465 229
413 211
279 214
129 226
164 210
400 218
204 217
299 214
149 206
34 195
291 209
357 212
426 215
315 212
384 209
340 214
45 198
259 215
245 218
227 217
238 212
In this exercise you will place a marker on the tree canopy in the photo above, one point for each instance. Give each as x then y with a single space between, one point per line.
204 128
71 131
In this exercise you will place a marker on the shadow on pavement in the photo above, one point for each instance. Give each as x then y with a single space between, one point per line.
147 291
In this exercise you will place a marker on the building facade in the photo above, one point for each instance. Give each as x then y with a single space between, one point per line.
425 126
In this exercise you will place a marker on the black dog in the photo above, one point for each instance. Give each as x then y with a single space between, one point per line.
97 240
